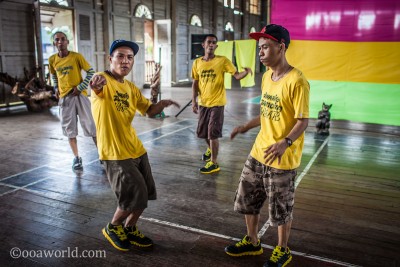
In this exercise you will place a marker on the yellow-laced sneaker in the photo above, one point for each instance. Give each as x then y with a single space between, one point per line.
244 247
137 238
117 237
210 167
280 257
207 156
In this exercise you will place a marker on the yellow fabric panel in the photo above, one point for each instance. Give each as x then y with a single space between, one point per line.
245 51
226 49
375 62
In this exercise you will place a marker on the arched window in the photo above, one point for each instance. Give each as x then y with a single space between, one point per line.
252 29
143 11
229 27
55 2
255 7
195 21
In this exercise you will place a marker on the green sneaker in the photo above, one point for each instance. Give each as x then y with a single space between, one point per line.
136 238
117 237
244 247
279 258
207 156
210 167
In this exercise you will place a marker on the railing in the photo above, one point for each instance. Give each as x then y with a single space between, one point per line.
149 71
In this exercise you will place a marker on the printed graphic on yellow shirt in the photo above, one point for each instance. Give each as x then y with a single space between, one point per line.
64 70
121 101
208 75
271 107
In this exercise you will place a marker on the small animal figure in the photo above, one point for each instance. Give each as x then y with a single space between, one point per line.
324 118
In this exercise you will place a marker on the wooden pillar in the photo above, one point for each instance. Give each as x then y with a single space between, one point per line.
174 25
38 37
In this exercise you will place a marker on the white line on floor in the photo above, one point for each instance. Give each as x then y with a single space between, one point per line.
161 136
148 131
27 171
199 231
5 178
164 135
191 229
298 180
19 187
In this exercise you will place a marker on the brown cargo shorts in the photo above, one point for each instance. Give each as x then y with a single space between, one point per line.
211 121
132 182
259 182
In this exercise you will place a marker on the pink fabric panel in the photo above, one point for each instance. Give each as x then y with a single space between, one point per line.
339 20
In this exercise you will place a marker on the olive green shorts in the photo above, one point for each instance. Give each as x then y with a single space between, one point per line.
132 182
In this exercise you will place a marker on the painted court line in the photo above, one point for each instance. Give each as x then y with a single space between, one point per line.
191 229
199 231
164 135
297 182
16 188
155 139
204 232
22 187
8 177
148 131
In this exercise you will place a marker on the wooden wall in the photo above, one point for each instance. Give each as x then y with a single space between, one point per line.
17 44
112 19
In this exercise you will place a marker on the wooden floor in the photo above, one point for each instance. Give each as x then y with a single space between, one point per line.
347 210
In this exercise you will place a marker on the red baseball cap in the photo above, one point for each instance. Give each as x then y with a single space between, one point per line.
274 32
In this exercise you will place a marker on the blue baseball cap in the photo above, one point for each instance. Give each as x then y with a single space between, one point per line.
119 43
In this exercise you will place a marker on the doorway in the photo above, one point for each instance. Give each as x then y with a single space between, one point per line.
162 51
53 19
149 51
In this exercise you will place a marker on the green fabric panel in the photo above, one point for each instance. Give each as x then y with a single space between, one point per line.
226 49
353 101
356 101
245 51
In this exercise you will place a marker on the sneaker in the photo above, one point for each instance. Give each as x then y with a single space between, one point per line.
279 257
210 167
244 247
77 163
207 156
117 237
136 238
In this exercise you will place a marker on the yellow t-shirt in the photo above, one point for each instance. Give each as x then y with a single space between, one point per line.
281 103
210 75
68 71
113 111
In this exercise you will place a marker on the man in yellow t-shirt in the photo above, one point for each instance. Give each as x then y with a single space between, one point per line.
114 105
270 170
66 67
208 86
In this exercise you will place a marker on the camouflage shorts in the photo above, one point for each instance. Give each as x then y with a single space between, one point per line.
259 182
